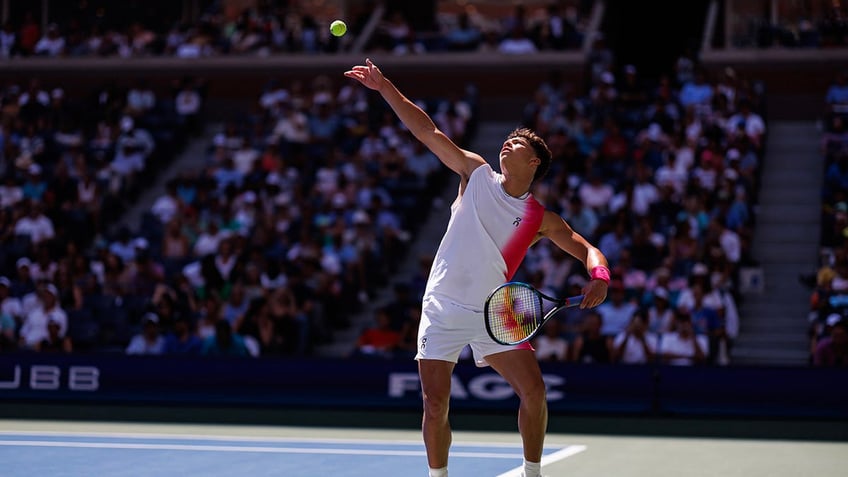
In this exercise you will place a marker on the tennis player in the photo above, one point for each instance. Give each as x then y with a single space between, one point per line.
494 220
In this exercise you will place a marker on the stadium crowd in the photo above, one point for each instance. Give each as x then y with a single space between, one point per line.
663 177
303 208
71 165
269 27
828 316
299 212
266 29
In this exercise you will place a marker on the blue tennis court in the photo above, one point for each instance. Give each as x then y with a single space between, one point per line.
134 449
141 454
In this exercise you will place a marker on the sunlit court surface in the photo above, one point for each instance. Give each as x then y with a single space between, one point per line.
51 448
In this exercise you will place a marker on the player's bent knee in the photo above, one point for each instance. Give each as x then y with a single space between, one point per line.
534 394
436 406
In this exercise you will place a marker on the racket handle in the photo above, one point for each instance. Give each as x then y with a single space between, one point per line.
574 300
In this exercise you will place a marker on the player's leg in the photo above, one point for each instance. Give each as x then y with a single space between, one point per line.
435 386
520 369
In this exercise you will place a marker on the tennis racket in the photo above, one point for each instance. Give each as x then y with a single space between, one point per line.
514 312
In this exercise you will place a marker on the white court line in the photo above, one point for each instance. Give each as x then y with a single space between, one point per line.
211 437
259 449
548 459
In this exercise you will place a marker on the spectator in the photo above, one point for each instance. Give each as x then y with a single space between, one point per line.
636 344
23 284
8 332
683 346
551 345
11 192
35 186
600 58
697 93
10 305
836 98
832 350
224 342
660 312
582 219
236 305
592 346
208 241
140 99
188 103
29 34
380 339
617 311
150 340
51 44
54 342
464 36
168 205
747 123
410 46
132 150
9 45
517 43
36 320
182 340
35 226
595 193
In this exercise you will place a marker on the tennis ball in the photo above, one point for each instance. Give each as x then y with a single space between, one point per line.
338 28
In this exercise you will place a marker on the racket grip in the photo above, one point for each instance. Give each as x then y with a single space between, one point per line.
574 300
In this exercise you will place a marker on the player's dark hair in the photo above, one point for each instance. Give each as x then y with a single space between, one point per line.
539 148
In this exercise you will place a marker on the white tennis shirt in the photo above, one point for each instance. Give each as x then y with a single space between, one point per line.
487 237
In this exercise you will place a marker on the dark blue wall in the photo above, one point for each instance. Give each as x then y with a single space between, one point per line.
351 384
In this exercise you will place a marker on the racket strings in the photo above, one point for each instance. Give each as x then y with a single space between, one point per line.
515 312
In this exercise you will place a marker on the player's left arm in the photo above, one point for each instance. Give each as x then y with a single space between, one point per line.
557 230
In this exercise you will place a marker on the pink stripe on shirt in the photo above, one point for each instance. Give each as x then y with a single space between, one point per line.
525 232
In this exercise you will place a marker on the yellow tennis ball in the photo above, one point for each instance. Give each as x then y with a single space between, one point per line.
338 28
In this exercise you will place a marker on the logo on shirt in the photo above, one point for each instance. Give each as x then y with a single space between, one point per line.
517 221
423 343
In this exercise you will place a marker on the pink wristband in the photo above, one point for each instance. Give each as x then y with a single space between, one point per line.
600 273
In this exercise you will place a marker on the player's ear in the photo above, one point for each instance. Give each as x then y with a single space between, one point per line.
535 161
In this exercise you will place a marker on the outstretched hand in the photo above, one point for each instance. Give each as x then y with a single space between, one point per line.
368 74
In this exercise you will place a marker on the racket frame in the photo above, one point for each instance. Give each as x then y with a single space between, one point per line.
559 304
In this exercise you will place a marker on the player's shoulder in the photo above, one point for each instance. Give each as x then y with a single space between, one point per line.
481 169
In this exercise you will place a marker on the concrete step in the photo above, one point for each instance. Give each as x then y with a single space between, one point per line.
788 211
777 310
790 196
769 302
805 182
774 339
769 357
797 162
810 221
775 253
780 232
792 131
754 329
788 247
758 326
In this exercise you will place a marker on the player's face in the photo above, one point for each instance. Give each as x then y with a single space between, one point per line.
516 151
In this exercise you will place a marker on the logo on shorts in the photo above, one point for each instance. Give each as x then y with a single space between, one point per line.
423 343
517 221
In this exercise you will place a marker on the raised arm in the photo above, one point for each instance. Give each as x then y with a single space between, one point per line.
560 233
417 121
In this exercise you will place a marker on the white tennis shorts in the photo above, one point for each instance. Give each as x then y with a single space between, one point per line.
446 327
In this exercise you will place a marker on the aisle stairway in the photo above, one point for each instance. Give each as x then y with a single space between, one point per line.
773 323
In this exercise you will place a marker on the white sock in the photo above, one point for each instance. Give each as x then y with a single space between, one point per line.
442 472
532 469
